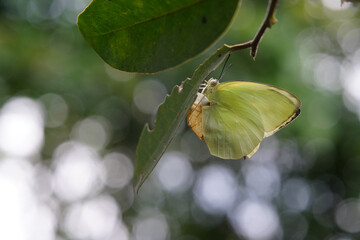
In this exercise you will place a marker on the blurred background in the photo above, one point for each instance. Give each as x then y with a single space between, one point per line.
69 125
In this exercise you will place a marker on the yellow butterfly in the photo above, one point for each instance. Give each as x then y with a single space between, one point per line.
234 117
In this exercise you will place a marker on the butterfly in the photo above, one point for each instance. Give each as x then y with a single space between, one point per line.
234 117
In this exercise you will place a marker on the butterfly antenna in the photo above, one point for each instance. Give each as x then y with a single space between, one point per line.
222 70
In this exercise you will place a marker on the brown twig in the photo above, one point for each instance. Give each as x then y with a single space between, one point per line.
269 20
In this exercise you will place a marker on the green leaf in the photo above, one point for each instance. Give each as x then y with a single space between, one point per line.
170 115
150 36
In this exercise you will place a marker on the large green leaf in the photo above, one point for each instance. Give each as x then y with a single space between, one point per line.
150 36
170 115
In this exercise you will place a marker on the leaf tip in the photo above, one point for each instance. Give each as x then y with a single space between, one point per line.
138 182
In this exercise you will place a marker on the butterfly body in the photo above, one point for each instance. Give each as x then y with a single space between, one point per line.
234 117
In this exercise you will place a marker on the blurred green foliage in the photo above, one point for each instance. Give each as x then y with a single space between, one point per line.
313 52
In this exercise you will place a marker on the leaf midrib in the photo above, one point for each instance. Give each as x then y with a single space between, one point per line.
150 19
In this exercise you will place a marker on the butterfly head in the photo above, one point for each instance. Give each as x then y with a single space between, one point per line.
212 82
209 85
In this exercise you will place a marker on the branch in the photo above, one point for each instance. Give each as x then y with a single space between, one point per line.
268 21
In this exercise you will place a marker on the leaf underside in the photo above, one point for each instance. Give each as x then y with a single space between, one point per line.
170 115
150 36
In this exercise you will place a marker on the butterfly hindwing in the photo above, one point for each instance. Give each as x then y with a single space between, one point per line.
194 117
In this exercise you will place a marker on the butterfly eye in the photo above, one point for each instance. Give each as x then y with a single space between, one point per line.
213 82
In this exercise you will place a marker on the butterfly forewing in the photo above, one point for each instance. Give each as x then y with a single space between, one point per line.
240 114
276 106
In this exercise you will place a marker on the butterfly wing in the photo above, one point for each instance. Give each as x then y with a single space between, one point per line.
194 116
241 114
